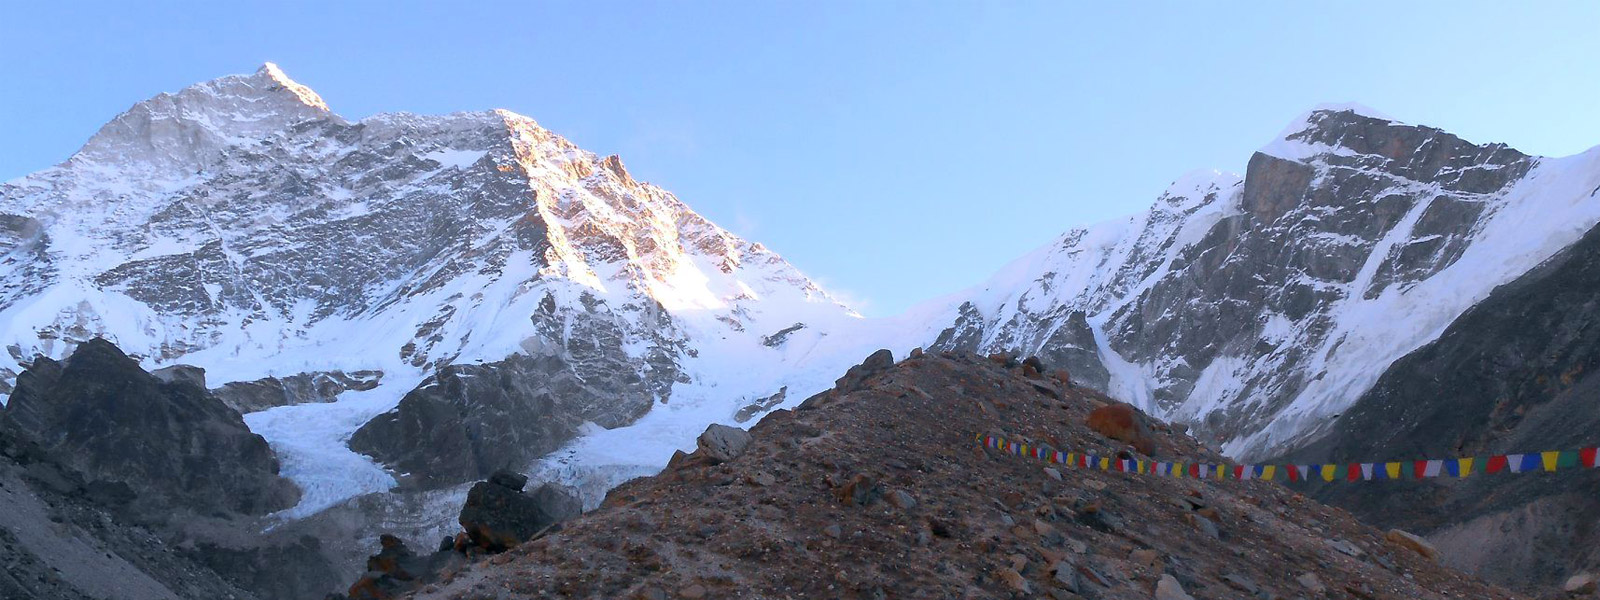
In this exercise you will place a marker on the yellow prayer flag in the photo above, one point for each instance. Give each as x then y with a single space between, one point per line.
1550 459
1392 469
1268 471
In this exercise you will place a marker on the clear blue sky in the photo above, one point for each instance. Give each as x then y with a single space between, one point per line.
894 151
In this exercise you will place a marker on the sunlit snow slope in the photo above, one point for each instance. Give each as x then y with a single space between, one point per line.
241 226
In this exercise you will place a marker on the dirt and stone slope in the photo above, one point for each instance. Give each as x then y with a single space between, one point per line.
877 489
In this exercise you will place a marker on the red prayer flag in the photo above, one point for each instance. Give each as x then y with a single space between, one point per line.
1355 472
1587 455
1496 464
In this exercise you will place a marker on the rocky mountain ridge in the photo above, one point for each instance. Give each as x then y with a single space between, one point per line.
1256 309
1514 374
877 489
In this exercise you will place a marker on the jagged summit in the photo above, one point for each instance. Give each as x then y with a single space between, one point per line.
1354 107
179 133
271 71
1352 130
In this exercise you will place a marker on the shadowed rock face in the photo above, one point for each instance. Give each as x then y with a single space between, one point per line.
1515 374
103 415
65 538
471 420
1071 346
1226 300
498 516
320 386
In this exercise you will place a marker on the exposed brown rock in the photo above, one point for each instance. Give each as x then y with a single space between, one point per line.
985 525
1413 543
1123 422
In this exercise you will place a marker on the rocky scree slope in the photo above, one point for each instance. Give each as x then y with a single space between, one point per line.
877 489
1256 309
1515 374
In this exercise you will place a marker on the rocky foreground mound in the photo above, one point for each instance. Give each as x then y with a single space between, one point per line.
877 489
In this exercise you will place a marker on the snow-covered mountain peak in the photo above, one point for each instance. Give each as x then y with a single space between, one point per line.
1353 107
1253 310
306 95
177 134
1196 187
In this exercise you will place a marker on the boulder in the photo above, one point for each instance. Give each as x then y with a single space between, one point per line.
395 570
189 374
509 479
1582 583
1062 377
1003 359
1123 422
1311 583
722 443
860 490
856 377
1413 543
902 500
497 517
1168 588
1033 368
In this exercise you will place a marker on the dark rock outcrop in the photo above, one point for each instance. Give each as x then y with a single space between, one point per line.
781 336
269 566
856 377
318 386
396 570
1517 373
761 405
1072 345
172 443
468 421
65 536
189 374
498 516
